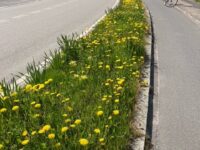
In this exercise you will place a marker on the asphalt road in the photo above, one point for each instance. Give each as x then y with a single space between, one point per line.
28 29
177 48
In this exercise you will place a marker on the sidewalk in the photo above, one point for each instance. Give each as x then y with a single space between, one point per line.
191 9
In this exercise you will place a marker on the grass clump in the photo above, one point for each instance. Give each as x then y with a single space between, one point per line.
84 98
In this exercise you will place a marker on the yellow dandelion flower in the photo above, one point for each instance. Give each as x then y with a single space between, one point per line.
83 77
64 129
83 142
115 112
77 121
28 87
101 140
13 94
16 100
72 125
117 101
37 105
107 84
99 113
97 131
33 133
104 99
120 81
41 86
67 120
15 108
69 108
25 142
64 115
119 88
36 115
46 127
57 145
2 110
108 67
1 146
51 136
25 133
41 131
33 103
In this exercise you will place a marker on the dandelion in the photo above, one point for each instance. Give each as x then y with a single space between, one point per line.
41 131
64 129
77 121
107 84
5 98
101 140
25 133
40 86
116 100
1 146
57 145
97 131
67 120
104 99
106 126
33 103
15 108
36 115
120 81
69 108
46 127
83 142
108 67
99 113
73 63
25 142
13 94
33 133
51 136
16 100
83 77
2 110
64 115
37 105
48 81
58 95
115 112
72 125
28 87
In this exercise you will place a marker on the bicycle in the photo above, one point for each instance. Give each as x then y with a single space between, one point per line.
170 3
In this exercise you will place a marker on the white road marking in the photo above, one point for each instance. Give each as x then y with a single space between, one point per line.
48 8
3 21
19 16
35 12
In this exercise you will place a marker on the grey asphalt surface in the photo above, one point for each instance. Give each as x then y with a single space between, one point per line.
30 29
177 43
4 3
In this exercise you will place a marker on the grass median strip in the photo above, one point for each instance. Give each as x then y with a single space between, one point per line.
84 99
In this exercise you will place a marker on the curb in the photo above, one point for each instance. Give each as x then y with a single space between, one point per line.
142 103
45 63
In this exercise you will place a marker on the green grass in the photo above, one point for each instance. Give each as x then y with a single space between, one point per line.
99 73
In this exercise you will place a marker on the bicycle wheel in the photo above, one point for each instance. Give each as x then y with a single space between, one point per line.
170 3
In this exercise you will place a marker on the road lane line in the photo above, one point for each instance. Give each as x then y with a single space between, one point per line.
48 8
3 21
19 16
35 12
